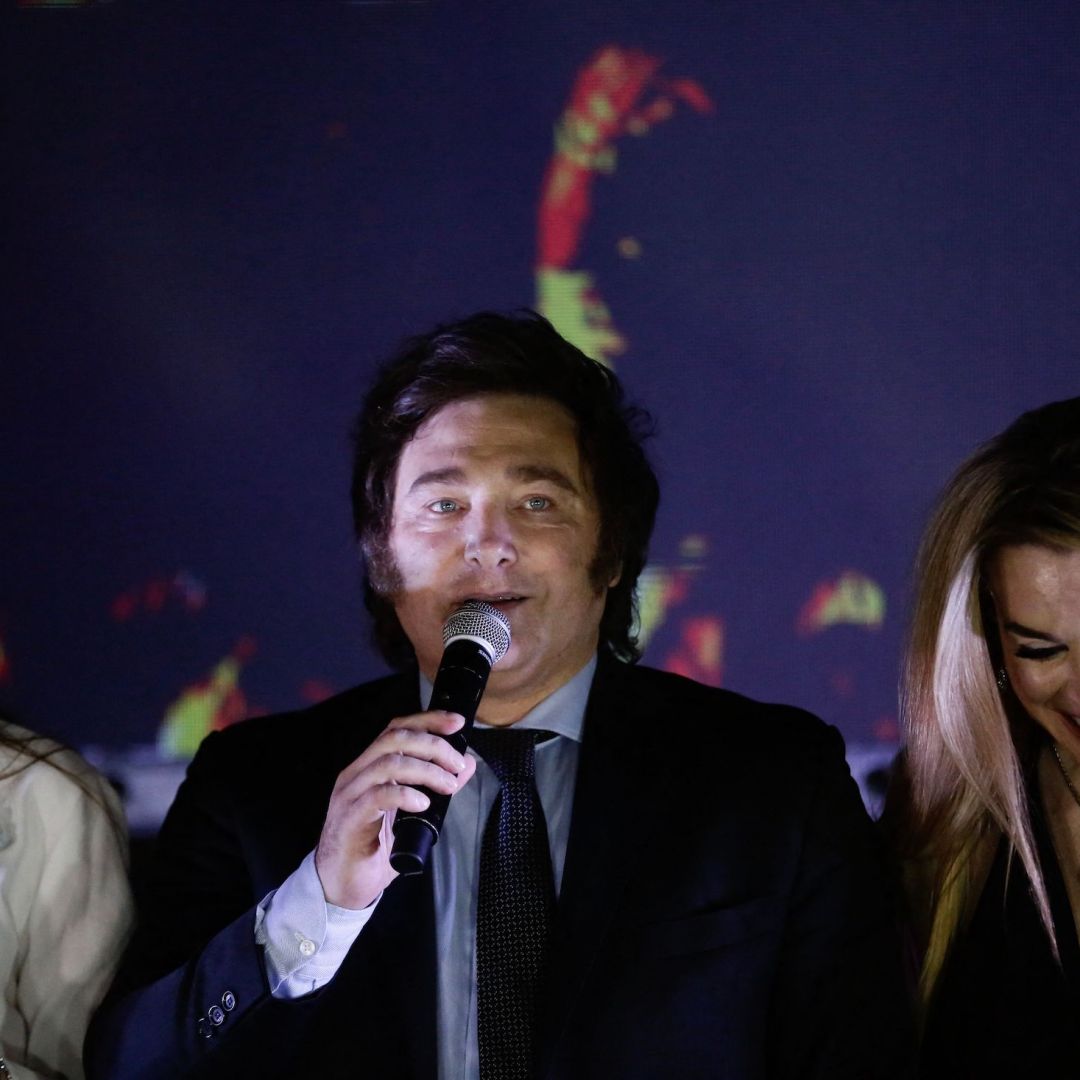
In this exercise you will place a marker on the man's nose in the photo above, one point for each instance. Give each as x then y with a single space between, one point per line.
491 540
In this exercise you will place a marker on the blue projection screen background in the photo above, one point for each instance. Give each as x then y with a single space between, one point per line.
832 247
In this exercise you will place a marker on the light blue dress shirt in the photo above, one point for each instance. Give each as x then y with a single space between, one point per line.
305 939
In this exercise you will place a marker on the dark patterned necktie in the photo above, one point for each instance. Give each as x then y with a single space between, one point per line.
515 907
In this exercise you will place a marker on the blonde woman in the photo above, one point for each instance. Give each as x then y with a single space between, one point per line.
986 811
65 906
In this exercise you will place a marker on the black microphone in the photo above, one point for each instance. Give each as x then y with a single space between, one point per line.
475 638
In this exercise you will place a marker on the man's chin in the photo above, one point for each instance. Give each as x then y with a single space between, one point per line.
506 673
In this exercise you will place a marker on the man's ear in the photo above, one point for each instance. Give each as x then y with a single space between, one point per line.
615 577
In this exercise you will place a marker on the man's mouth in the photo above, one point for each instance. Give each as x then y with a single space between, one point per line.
503 601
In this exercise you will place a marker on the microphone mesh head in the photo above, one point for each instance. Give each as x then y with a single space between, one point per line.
482 623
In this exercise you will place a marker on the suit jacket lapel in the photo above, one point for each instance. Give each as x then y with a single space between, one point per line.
615 770
407 937
407 944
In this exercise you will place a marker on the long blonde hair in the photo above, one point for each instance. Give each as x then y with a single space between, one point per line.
968 744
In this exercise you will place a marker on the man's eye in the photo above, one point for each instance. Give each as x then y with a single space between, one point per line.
1031 652
443 506
537 502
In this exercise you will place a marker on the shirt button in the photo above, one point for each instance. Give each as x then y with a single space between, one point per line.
228 1001
203 1027
216 1015
307 947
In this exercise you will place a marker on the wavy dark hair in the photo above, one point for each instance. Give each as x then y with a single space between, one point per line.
520 353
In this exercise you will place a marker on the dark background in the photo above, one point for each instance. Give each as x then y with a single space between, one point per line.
859 264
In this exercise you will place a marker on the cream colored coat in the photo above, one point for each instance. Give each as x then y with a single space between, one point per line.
65 909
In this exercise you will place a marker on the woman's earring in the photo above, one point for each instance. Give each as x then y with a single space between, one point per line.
1002 678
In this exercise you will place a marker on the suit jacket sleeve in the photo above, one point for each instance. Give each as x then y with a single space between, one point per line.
192 997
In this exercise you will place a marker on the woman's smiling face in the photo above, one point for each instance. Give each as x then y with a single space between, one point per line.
1037 599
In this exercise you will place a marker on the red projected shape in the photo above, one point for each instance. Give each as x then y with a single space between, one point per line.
700 653
151 597
618 92
207 705
852 599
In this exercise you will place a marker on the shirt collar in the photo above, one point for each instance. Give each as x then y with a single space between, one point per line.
562 712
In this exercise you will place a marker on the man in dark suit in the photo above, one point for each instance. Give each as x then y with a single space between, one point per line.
707 900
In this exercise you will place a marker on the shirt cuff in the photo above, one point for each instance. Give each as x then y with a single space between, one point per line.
304 938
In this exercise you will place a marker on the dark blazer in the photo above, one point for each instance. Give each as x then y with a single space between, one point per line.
723 910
